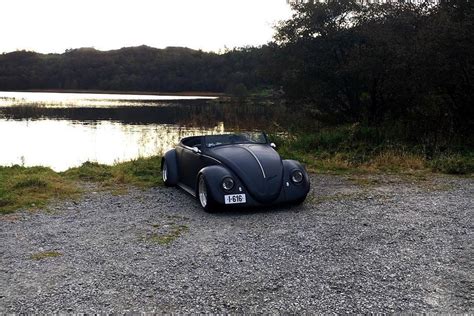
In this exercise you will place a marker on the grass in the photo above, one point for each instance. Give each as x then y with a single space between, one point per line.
45 255
453 164
342 150
142 172
30 188
34 187
167 238
354 149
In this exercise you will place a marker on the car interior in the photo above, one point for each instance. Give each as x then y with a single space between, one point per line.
223 139
194 141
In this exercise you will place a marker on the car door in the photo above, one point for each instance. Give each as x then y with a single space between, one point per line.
189 162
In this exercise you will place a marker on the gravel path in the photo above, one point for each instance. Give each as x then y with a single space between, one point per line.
381 244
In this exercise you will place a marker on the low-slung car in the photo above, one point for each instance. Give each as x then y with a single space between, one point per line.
241 169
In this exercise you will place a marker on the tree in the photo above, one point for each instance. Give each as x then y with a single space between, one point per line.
382 64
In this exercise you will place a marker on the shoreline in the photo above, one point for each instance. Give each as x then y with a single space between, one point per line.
182 93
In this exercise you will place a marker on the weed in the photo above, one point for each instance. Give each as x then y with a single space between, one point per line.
167 238
453 164
45 255
33 183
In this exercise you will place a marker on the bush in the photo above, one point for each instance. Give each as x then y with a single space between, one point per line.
90 171
453 164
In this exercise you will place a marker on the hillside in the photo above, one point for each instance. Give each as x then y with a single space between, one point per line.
140 68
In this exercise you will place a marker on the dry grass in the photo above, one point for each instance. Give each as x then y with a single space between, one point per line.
395 161
343 163
358 149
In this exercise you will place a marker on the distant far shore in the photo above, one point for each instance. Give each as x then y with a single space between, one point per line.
182 93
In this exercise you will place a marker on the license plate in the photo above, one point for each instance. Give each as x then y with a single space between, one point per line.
235 198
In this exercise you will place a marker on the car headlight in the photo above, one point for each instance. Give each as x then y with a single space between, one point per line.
297 176
228 184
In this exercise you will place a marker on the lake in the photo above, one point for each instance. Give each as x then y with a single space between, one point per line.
64 130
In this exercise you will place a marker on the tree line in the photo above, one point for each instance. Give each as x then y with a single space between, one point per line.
131 69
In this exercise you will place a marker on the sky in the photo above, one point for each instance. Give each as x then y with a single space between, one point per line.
52 26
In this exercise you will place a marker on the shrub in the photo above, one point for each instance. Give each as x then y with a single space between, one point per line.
454 164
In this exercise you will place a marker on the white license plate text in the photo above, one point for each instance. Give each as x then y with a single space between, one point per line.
235 198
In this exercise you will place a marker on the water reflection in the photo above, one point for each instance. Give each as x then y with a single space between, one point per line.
62 144
59 131
51 99
185 113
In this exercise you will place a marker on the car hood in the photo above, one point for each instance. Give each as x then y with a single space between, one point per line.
259 167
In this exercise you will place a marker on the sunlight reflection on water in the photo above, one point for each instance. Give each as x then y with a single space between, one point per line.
51 99
62 144
32 137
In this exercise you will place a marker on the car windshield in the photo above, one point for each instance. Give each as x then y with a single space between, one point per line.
240 138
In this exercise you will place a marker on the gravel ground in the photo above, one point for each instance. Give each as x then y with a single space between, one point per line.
378 244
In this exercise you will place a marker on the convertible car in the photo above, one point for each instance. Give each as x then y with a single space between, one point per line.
241 169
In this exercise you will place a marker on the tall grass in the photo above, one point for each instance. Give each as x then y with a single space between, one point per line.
357 148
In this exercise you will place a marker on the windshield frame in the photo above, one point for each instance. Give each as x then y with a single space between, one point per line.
238 139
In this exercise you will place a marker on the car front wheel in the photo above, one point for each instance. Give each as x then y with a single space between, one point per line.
299 201
206 201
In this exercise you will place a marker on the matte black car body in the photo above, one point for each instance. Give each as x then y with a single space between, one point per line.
256 169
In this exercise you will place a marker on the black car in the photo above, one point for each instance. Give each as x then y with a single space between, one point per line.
241 169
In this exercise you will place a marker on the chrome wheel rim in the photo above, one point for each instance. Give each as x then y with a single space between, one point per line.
202 192
165 172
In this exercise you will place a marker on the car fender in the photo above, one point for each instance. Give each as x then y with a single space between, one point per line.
294 191
172 162
214 176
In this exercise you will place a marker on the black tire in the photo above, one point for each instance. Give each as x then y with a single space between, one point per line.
204 199
164 174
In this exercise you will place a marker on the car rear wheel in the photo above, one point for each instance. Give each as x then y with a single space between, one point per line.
206 201
164 174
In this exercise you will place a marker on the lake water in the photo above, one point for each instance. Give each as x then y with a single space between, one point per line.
63 130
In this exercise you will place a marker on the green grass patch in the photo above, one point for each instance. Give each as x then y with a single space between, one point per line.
34 187
30 188
45 255
142 172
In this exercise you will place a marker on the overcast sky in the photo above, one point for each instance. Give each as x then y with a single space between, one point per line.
52 26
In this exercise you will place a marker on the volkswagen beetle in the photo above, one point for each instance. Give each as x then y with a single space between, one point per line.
241 169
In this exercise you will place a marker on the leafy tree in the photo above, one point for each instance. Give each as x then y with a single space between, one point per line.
399 64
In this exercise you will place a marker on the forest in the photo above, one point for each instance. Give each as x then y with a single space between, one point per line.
140 68
405 67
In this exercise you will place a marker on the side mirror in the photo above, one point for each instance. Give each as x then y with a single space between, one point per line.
273 145
195 150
